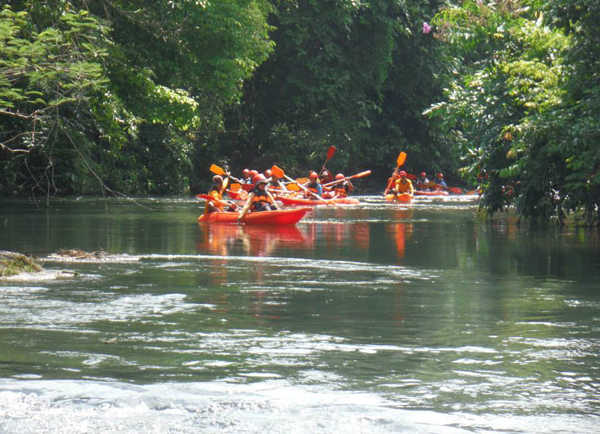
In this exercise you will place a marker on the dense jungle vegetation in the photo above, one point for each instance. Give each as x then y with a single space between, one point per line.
136 97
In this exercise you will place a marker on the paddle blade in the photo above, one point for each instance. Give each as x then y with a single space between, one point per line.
361 174
217 170
277 171
302 180
411 176
235 187
401 158
331 152
247 187
293 187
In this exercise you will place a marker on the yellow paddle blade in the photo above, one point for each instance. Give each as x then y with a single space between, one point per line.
401 158
302 180
217 170
293 187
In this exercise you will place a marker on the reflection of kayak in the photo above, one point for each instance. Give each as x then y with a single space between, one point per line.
431 193
277 217
295 201
402 198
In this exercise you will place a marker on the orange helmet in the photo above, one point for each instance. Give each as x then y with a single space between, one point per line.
259 179
439 175
245 172
402 173
253 173
339 176
268 173
423 175
313 175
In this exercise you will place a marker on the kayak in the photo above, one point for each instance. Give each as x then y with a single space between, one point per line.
295 201
401 198
276 217
431 193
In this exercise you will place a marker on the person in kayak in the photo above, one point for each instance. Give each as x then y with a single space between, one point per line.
313 185
216 190
422 181
403 185
343 189
439 180
259 199
275 182
246 176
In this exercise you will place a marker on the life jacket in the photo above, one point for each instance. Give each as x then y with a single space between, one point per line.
342 190
217 194
404 187
313 187
260 198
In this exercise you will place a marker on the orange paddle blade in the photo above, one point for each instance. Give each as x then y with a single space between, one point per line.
277 171
235 187
330 152
401 158
302 180
217 170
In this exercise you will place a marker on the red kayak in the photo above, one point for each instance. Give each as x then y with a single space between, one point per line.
294 201
276 217
431 193
401 198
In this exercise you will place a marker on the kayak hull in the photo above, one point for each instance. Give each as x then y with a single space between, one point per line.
431 193
401 198
274 218
293 201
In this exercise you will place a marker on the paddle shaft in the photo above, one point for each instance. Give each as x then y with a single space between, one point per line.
347 178
305 189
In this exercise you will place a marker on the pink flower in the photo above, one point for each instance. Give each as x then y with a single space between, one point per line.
426 27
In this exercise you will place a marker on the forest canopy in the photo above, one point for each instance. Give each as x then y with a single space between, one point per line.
141 97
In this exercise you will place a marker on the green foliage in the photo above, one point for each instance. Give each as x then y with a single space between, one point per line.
515 110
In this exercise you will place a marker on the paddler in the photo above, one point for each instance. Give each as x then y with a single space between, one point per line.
275 181
403 185
216 190
259 199
343 189
313 185
439 180
246 176
423 181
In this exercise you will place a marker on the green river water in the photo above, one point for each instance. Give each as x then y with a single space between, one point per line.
376 318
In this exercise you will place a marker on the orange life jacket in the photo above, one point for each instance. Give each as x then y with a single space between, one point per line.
260 198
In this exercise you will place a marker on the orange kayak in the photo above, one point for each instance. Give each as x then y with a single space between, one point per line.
295 201
401 198
431 193
276 217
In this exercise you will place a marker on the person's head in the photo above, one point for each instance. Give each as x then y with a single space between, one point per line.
245 173
260 181
217 179
339 176
440 176
268 173
313 176
423 175
253 173
402 174
325 175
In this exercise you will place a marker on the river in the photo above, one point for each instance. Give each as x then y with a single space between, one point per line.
376 318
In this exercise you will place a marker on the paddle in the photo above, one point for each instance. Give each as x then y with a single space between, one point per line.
241 194
358 175
330 154
400 161
212 199
281 174
219 171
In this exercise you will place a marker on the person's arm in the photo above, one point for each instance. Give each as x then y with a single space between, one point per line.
272 199
319 189
246 207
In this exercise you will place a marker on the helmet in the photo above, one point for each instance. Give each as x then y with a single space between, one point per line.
439 175
245 172
259 179
339 176
313 175
325 174
402 173
217 178
423 174
268 173
253 173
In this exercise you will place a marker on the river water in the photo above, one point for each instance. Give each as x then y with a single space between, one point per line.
376 318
